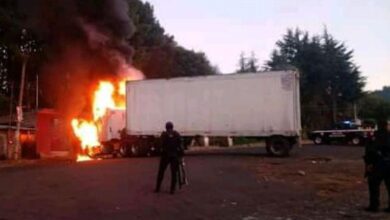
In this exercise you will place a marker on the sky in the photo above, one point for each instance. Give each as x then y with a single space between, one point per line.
222 29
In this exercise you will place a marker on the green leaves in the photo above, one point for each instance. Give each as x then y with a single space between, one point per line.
329 77
156 52
374 105
247 64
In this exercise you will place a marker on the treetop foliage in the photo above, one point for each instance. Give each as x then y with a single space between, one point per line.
248 64
330 80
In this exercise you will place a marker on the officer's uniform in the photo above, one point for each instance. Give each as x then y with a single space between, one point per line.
377 156
171 151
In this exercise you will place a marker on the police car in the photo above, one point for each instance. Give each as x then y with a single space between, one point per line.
344 132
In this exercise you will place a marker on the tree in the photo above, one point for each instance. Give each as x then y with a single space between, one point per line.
252 66
156 53
9 34
16 38
330 81
242 63
247 65
384 93
190 63
373 106
277 62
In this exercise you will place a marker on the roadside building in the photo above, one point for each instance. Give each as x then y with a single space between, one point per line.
27 136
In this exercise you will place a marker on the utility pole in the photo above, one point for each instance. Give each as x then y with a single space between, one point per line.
37 93
19 111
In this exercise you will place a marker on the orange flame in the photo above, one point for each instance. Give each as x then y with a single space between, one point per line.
103 99
107 96
87 133
122 87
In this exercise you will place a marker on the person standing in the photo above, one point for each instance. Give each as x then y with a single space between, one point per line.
171 151
377 161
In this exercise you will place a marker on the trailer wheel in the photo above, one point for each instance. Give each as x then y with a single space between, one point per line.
124 151
356 140
278 146
134 150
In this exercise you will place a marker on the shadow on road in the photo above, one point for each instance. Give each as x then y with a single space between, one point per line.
221 151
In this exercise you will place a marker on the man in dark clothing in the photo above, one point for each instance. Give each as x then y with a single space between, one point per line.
377 160
171 151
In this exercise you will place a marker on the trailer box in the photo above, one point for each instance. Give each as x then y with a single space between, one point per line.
264 105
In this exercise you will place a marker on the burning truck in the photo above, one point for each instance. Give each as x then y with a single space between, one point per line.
264 106
101 134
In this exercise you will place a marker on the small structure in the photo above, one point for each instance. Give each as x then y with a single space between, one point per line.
42 134
27 136
52 135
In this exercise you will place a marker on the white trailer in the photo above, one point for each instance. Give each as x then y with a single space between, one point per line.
264 105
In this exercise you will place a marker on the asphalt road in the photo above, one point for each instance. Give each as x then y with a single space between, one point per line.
316 182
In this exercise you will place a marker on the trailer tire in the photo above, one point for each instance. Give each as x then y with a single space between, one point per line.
134 149
278 146
124 151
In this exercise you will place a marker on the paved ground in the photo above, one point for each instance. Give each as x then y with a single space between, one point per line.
316 182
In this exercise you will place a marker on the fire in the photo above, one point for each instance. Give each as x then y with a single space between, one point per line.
82 158
87 132
122 87
103 99
108 95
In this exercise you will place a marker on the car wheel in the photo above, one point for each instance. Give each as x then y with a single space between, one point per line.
318 140
356 141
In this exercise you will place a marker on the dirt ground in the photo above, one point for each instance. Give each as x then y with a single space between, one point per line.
316 182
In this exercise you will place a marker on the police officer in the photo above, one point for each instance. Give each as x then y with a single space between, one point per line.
377 160
171 151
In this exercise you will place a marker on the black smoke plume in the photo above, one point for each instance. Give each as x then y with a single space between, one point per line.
84 41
